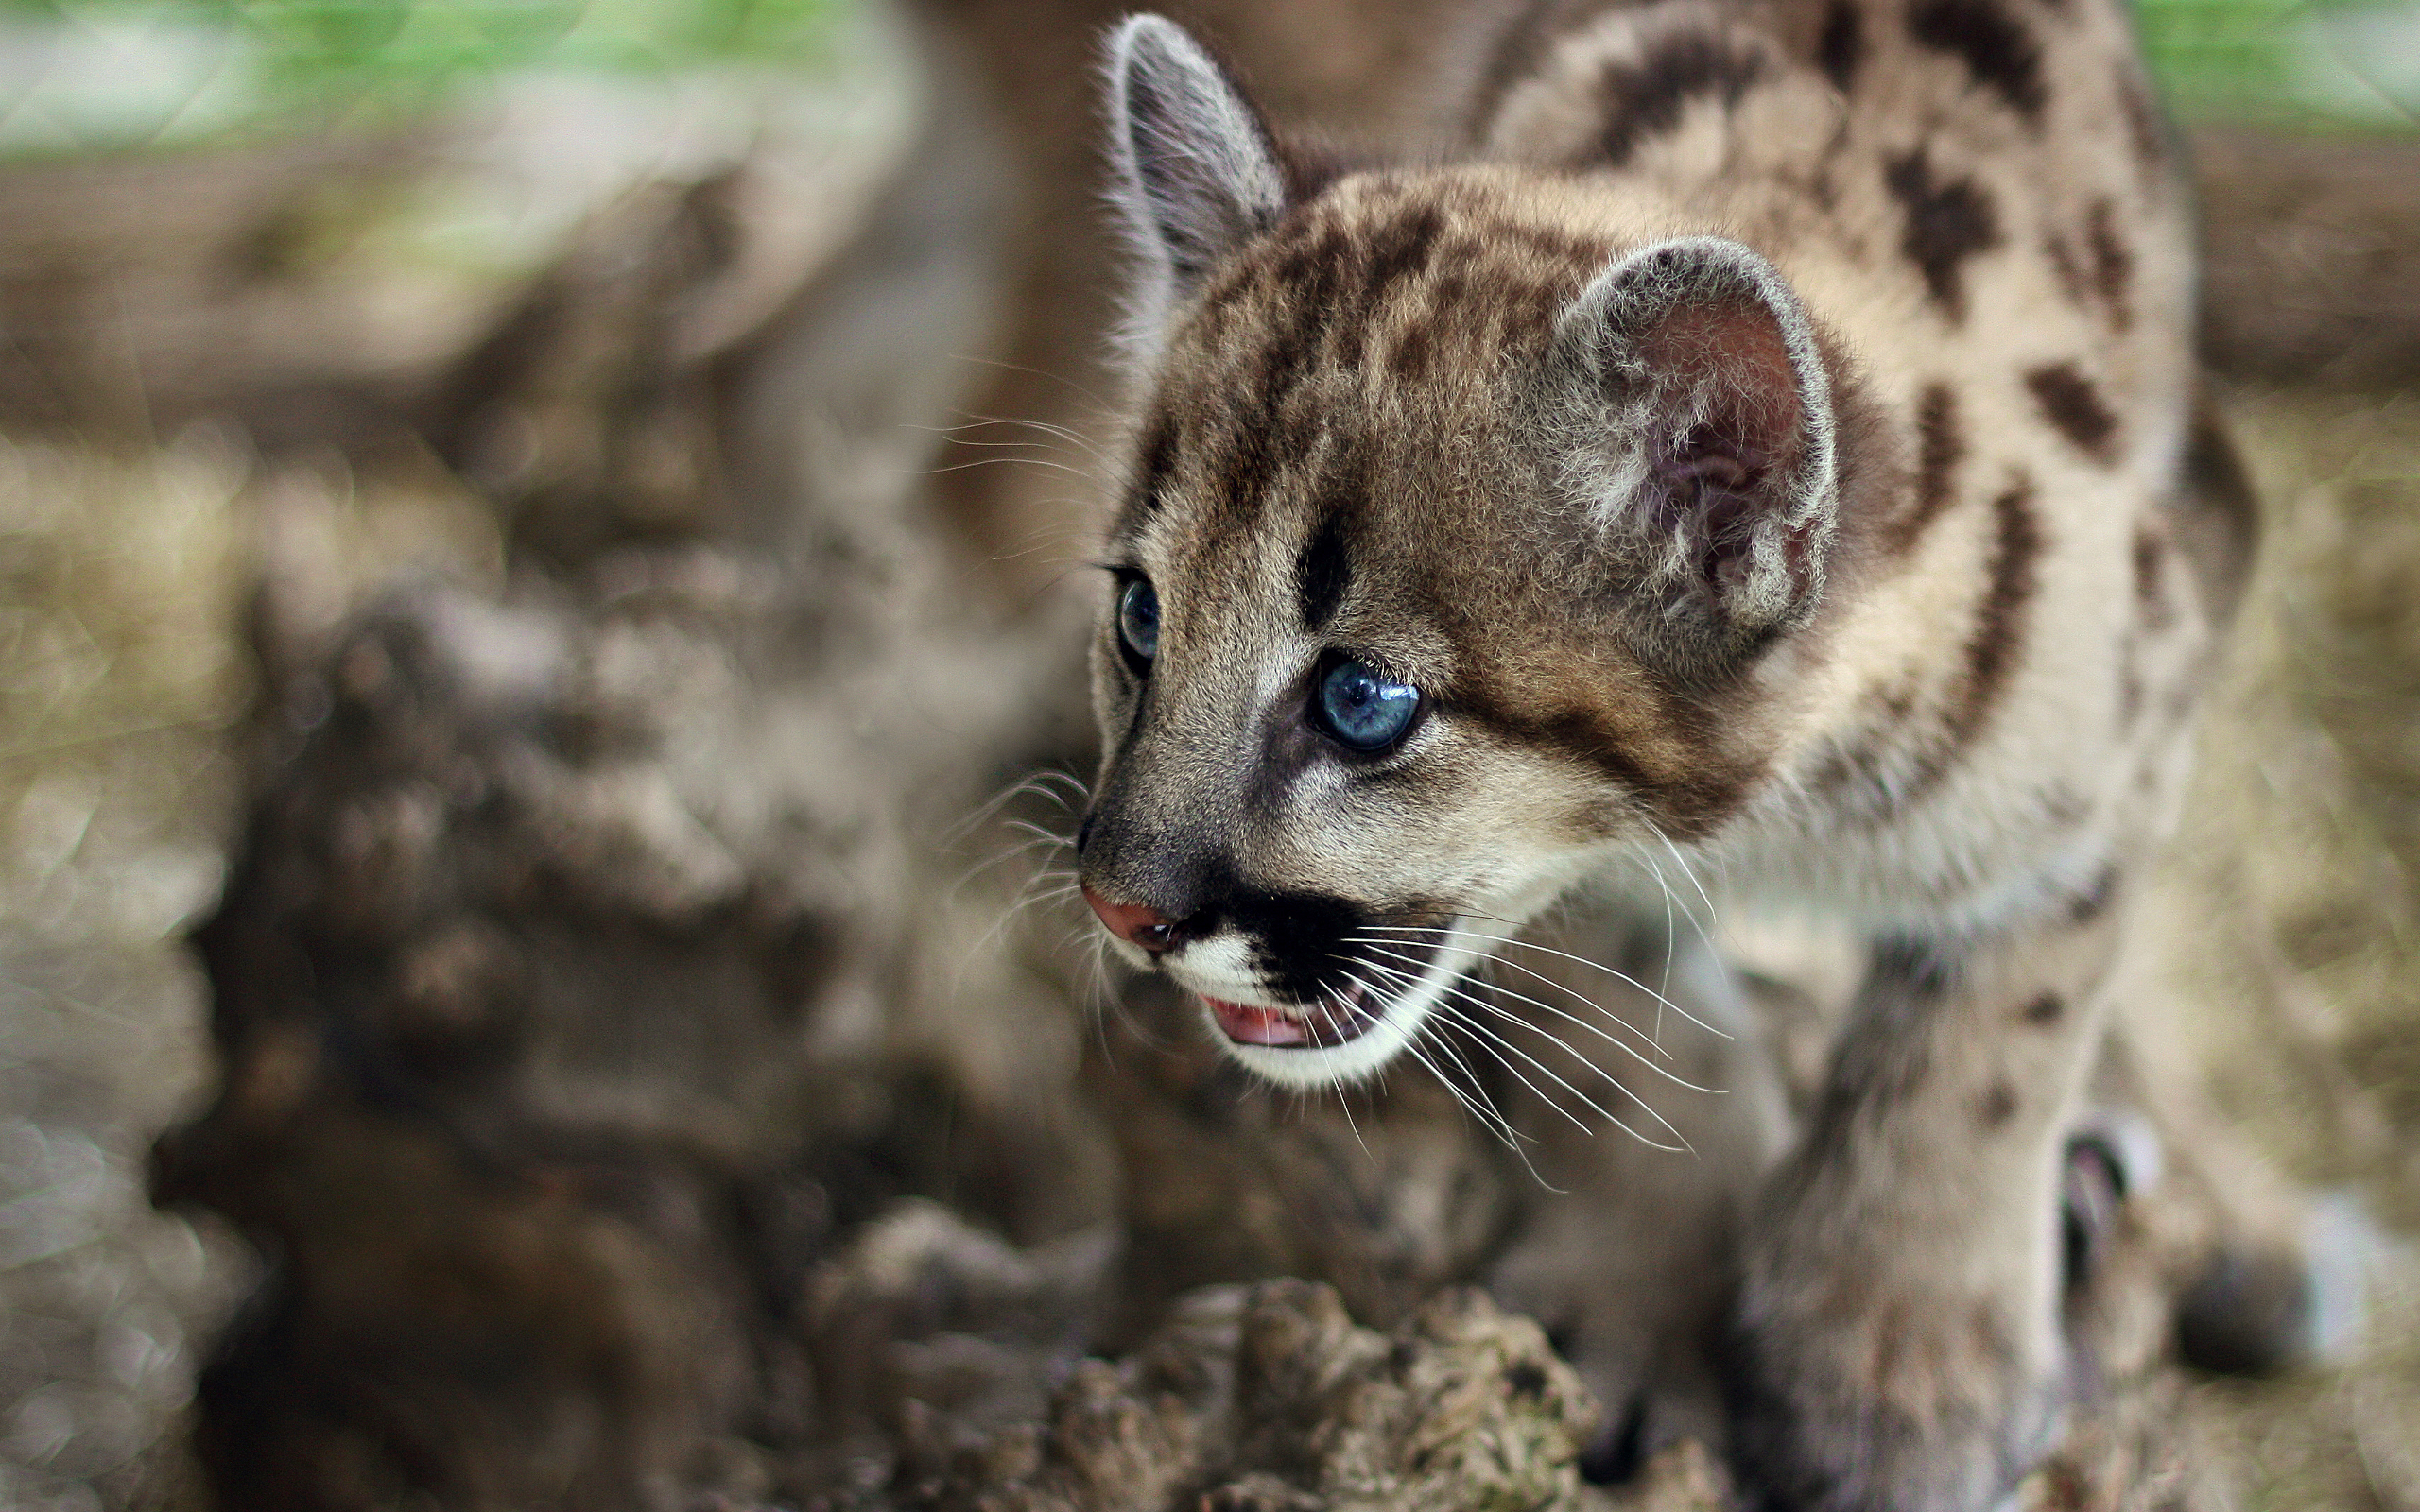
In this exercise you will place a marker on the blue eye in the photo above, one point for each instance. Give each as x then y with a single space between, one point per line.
1138 622
1363 710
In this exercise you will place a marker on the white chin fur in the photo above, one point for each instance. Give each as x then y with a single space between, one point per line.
1366 1053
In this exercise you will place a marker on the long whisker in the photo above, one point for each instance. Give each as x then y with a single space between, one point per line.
1553 1039
1385 948
1033 782
1005 853
1060 379
1487 1115
1000 461
1567 991
1464 1020
1475 1103
1476 1027
1712 914
1495 1117
1336 1080
1577 960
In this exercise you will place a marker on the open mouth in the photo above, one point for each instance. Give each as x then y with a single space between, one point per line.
1336 1022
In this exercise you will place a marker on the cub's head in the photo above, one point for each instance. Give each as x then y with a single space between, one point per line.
1469 510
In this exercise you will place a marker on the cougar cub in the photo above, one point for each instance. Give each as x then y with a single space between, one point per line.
1765 451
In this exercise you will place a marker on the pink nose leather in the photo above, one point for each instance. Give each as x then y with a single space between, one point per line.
1134 923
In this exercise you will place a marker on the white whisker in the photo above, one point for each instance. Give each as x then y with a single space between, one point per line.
1577 960
1386 948
1476 1027
1565 989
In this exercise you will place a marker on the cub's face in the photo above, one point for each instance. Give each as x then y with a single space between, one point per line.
1449 541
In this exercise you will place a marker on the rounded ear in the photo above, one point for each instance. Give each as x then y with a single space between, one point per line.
1705 453
1197 173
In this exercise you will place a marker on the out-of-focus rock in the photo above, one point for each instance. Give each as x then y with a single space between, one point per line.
1272 1398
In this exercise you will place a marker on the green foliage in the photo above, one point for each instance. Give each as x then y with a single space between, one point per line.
2227 55
2236 57
310 55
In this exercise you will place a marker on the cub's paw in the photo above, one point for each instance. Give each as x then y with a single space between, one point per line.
1900 1403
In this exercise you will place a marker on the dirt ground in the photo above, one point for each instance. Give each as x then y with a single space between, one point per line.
125 569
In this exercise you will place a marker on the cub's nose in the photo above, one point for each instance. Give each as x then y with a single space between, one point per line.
1136 923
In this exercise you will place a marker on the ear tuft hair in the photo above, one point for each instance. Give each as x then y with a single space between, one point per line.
1197 173
1705 442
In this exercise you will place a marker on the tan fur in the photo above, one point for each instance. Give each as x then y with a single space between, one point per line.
1764 450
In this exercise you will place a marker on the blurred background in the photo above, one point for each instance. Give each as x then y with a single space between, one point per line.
558 511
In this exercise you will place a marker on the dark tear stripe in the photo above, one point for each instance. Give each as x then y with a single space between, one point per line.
1323 571
1996 48
2074 406
1947 223
1574 734
2113 262
1647 98
1941 445
1842 47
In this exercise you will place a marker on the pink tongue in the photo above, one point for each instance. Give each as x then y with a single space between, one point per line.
1249 1025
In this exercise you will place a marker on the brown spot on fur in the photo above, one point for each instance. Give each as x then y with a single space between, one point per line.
1994 644
1842 45
1518 50
2113 262
1327 284
2074 406
1995 1107
1997 50
1647 98
2072 282
2047 1010
1409 360
2151 592
1861 763
2090 905
1918 966
1991 653
2144 126
2217 518
1947 223
1941 445
1397 251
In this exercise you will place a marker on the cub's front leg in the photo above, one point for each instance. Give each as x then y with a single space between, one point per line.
1897 1340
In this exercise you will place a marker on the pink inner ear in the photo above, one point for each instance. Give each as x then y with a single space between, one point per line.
1722 364
1728 432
